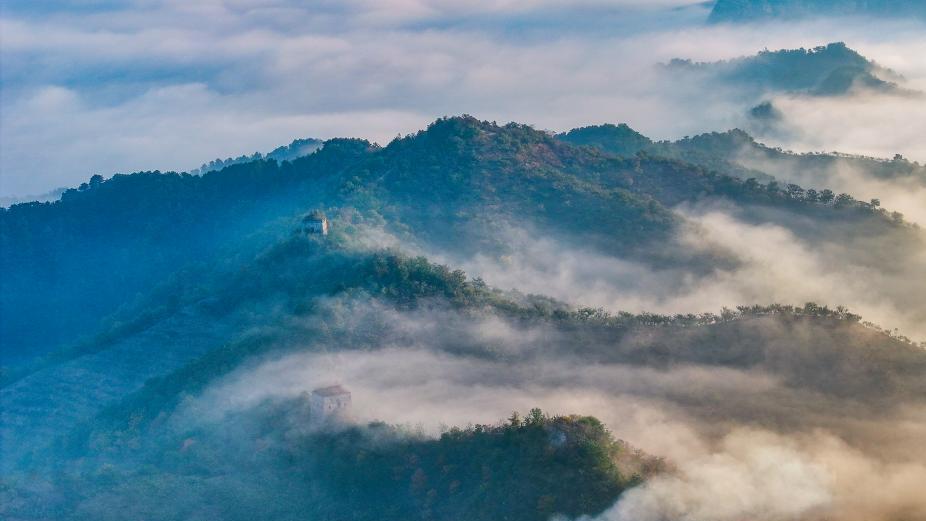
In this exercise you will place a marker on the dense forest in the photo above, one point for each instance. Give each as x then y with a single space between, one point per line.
738 154
830 70
143 445
524 468
298 148
140 446
450 186
187 314
670 269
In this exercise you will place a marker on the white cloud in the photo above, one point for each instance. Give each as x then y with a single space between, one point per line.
762 476
253 75
749 478
762 264
878 126
719 471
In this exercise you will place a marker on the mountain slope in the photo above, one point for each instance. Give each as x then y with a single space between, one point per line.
738 154
452 187
129 440
70 263
242 311
831 70
298 148
93 251
193 393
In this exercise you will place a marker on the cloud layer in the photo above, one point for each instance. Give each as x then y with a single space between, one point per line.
756 263
808 460
108 87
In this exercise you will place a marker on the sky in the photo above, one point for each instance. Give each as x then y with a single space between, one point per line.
97 86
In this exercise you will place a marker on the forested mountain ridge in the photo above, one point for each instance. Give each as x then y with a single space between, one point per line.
205 308
738 154
308 297
426 260
300 277
298 148
113 239
293 280
461 178
830 70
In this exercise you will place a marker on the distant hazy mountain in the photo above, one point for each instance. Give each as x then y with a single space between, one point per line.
53 195
736 153
830 70
616 139
296 149
748 10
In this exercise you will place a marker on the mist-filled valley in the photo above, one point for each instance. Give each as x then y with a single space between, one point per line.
671 269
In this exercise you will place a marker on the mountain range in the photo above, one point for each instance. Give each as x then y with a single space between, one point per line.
140 311
451 188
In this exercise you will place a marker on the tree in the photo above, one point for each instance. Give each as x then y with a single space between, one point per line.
844 200
535 417
727 314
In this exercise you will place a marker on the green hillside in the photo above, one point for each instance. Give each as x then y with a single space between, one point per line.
523 469
830 70
736 153
451 187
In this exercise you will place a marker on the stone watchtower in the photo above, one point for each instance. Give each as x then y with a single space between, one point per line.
329 402
315 223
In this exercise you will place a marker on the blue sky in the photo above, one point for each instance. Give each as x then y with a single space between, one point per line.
103 87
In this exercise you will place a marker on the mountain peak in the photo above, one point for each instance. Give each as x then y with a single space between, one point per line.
467 138
618 139
833 69
467 126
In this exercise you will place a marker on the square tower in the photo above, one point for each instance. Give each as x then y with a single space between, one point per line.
315 223
328 402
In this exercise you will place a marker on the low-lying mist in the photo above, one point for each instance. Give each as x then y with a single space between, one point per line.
785 262
747 442
867 124
905 194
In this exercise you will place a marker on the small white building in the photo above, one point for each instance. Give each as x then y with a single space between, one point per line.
328 402
315 223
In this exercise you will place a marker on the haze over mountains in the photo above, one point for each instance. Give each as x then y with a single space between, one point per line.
698 299
235 310
830 70
218 94
186 217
